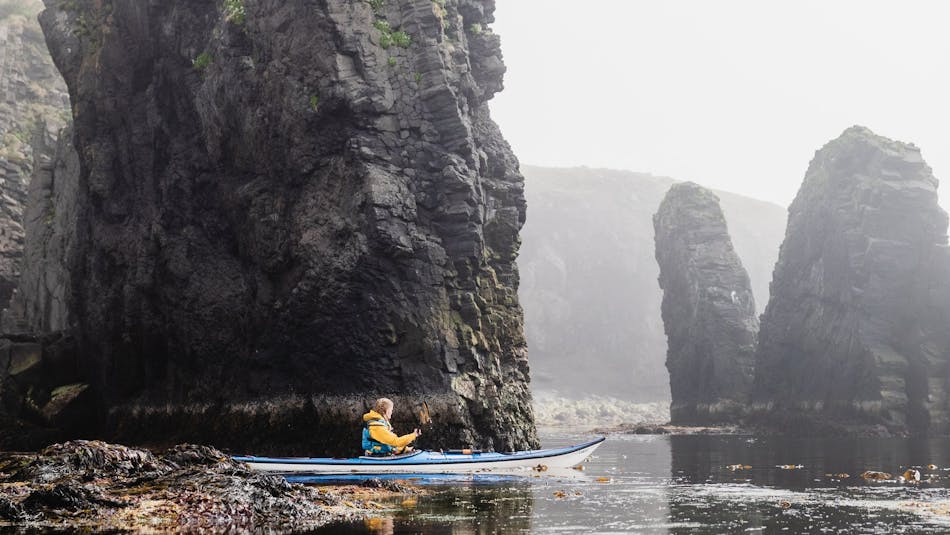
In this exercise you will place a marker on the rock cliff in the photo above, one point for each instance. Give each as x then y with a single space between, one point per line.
49 217
33 102
855 332
708 309
588 278
283 210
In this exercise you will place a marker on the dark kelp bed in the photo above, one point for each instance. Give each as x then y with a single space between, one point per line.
93 485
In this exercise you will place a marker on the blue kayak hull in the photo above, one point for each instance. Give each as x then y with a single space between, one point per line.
432 462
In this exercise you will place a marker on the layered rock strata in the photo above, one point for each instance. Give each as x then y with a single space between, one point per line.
708 309
286 209
33 102
855 332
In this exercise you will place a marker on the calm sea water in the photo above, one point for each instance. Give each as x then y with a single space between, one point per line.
684 484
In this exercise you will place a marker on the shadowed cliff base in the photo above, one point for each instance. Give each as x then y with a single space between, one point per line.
310 426
46 397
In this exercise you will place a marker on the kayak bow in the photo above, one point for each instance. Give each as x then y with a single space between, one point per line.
423 462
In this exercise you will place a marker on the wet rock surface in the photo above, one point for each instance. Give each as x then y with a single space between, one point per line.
708 309
854 335
99 486
281 214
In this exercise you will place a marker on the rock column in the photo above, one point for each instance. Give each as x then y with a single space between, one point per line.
708 309
855 334
286 209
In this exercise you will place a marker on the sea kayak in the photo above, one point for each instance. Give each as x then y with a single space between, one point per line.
427 462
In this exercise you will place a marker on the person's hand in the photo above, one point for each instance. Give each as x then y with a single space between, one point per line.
418 433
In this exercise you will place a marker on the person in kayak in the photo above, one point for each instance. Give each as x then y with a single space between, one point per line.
378 436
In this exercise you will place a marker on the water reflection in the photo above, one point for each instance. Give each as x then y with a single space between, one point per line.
635 496
475 507
380 525
748 484
704 459
662 484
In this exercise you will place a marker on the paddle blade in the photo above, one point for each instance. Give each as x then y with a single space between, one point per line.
424 414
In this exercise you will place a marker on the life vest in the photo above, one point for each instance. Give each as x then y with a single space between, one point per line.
374 447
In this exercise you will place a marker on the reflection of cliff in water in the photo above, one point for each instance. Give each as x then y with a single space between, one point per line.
780 484
454 510
489 510
727 459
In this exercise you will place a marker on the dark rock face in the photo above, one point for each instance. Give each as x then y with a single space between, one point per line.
856 330
589 271
708 308
286 209
33 102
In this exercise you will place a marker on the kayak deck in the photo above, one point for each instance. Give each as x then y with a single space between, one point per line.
427 461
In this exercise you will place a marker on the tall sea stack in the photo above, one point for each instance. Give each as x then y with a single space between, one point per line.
708 309
855 334
285 209
578 305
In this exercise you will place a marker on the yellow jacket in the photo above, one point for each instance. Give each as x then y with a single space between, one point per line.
381 431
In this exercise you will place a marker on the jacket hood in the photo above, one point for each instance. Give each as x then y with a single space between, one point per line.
372 415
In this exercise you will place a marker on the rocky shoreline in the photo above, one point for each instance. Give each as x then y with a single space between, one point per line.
802 428
670 429
93 485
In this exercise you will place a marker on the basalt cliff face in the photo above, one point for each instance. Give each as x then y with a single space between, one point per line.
708 309
33 103
856 332
285 209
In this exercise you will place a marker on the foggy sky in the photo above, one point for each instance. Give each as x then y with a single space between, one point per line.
736 95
